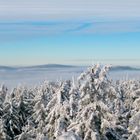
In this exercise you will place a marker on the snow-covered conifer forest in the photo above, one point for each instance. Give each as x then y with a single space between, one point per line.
93 107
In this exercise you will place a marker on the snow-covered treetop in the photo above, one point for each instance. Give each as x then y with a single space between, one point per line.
89 108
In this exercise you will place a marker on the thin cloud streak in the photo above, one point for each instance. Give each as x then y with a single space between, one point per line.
31 29
33 18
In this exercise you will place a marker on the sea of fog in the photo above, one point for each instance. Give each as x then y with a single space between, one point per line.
35 76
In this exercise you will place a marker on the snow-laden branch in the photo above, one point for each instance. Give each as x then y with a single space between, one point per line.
91 108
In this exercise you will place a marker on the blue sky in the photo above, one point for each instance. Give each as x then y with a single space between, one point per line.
77 32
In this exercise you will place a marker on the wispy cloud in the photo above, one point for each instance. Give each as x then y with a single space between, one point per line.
80 27
32 18
30 29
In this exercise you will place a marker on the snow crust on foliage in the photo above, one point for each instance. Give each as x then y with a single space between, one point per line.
89 108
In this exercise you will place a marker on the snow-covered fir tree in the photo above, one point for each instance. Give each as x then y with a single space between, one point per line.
91 107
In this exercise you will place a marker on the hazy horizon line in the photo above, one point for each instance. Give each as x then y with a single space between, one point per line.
67 64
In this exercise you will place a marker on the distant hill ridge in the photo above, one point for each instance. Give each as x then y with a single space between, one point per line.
7 68
36 66
114 68
122 68
50 66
